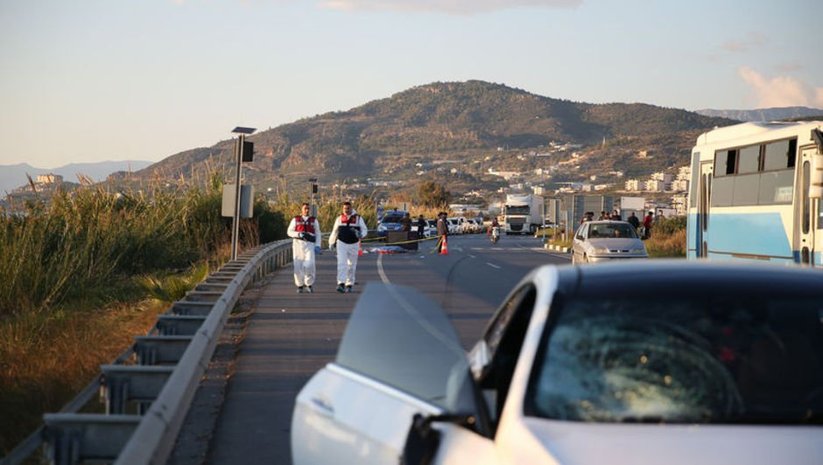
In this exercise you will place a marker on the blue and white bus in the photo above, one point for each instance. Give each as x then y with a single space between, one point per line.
755 193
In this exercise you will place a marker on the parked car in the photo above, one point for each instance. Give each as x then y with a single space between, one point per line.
471 226
431 228
454 225
624 363
598 241
390 222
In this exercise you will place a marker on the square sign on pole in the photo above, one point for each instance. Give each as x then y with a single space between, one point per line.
246 201
239 150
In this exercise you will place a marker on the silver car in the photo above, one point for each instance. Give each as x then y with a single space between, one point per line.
597 241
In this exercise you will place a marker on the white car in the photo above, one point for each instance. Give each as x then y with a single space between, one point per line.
454 225
598 241
626 363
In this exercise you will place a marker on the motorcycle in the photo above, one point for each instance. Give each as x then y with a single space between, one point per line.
495 234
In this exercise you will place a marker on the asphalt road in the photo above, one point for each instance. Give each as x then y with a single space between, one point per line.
290 336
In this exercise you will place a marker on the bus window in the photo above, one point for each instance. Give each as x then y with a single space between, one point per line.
806 214
749 160
780 155
724 162
819 214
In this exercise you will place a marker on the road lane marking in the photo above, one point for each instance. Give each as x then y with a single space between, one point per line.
493 265
380 271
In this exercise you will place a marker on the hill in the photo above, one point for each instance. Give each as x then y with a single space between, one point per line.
474 125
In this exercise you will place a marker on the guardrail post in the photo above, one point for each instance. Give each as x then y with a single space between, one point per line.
124 383
74 438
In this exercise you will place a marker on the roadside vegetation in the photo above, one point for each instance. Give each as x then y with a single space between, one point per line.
668 238
84 272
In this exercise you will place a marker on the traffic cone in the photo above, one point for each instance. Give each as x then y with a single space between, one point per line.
445 249
359 249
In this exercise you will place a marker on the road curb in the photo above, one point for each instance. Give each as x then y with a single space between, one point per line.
556 248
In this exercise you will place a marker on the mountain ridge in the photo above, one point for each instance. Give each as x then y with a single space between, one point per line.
453 120
765 114
14 176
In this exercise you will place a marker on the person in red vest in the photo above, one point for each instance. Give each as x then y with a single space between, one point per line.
648 221
348 229
305 230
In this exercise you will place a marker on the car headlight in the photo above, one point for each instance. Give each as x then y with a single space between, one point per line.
600 250
381 227
638 250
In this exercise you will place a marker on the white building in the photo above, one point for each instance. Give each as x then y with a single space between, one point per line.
665 177
632 185
50 178
655 185
680 185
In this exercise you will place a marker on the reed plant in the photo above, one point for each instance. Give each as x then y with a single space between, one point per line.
668 238
71 269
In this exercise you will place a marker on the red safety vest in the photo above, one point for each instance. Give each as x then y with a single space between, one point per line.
304 226
349 228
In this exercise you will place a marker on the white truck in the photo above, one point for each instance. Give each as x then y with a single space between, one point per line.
522 213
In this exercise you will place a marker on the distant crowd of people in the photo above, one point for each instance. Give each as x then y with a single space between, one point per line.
648 221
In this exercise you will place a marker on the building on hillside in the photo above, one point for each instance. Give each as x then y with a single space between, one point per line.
655 185
49 178
680 185
633 185
680 204
507 175
665 177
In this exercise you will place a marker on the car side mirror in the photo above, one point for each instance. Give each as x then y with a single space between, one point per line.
423 440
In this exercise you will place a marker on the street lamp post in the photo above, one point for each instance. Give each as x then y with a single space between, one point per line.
238 155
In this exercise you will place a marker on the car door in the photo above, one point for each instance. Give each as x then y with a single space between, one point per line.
399 356
579 243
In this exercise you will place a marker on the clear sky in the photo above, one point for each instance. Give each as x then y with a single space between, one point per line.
94 80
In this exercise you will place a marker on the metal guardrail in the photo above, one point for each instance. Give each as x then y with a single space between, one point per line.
159 374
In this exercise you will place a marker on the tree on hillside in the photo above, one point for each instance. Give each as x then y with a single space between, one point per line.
432 194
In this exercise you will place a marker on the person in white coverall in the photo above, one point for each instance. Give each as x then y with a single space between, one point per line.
348 229
305 230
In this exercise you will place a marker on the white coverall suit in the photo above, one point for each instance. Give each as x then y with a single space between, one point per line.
303 251
346 235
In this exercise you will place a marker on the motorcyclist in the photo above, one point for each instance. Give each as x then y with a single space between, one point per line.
494 230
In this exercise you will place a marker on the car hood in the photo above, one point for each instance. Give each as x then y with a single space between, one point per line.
572 443
617 243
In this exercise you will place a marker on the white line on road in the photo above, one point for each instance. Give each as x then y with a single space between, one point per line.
380 271
493 265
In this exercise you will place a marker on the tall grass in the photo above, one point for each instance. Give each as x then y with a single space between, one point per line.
79 241
70 283
668 238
